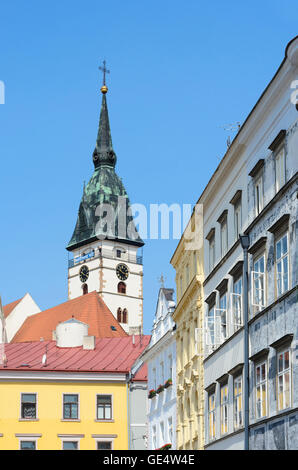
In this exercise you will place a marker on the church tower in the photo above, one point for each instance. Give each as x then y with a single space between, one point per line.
104 245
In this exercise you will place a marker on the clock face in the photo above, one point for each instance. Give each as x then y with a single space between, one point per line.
84 273
122 272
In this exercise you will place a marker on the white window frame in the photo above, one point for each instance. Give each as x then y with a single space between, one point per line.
236 305
212 329
223 313
224 236
104 439
162 433
112 408
281 261
281 374
259 386
28 437
280 176
70 419
211 416
237 218
238 398
70 439
258 285
224 406
211 253
154 437
170 429
36 407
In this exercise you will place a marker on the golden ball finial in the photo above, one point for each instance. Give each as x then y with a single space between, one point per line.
104 89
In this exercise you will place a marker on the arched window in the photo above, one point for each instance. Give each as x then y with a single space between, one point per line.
124 316
85 289
122 288
119 315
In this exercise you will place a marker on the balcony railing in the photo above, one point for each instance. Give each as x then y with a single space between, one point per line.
136 259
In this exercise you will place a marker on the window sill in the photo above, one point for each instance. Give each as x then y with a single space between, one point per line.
28 419
104 421
70 420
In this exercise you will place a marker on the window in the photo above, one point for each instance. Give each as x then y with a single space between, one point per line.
170 360
261 389
154 378
27 445
223 316
258 283
162 373
162 433
282 265
211 414
237 218
238 402
154 437
104 407
70 406
280 169
259 202
119 315
118 253
224 408
236 303
70 445
124 316
224 236
104 445
85 289
213 328
284 379
211 253
170 430
28 406
122 288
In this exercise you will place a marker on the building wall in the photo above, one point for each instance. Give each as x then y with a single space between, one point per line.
138 416
25 308
50 424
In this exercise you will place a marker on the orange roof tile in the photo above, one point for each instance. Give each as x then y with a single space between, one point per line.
116 355
7 309
89 308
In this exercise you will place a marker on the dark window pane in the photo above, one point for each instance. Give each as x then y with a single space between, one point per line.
28 445
70 445
71 398
104 445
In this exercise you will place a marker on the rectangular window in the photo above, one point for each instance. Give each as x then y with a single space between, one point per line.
28 445
238 402
118 253
282 265
280 169
261 389
154 437
284 379
214 328
224 408
170 359
236 303
259 199
104 407
70 445
170 430
28 406
162 433
211 414
223 316
211 253
258 284
237 218
70 406
224 236
162 373
104 445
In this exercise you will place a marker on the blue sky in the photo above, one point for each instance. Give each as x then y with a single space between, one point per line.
180 71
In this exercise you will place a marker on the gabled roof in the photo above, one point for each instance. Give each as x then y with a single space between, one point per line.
7 309
89 308
110 355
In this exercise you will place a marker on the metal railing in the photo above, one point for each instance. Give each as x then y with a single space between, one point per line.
135 259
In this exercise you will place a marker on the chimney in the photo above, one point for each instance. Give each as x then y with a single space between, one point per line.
89 342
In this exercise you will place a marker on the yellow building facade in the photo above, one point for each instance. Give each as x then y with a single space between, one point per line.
188 315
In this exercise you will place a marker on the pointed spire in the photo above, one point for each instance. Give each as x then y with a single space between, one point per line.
104 153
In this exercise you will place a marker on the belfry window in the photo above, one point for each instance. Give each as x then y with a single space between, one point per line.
85 289
119 315
122 288
124 316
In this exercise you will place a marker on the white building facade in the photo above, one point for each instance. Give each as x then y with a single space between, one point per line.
160 357
254 192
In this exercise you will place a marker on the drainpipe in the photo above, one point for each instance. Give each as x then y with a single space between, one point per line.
244 240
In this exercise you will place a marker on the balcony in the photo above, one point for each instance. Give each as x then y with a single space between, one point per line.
94 254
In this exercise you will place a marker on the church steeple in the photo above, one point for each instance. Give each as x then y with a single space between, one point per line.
103 153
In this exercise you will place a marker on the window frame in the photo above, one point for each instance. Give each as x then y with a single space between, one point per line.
36 407
236 421
108 439
257 308
259 201
224 405
105 420
279 237
282 351
224 242
70 439
279 151
211 242
212 414
27 439
257 365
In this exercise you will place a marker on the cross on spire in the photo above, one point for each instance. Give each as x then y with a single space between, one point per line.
104 70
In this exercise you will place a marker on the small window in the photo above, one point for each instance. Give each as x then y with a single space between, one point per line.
122 288
282 265
70 445
259 198
104 445
70 406
224 236
238 413
237 218
154 437
170 430
258 284
118 253
211 415
104 407
85 289
119 315
224 408
236 304
280 169
124 316
261 389
28 445
28 406
284 379
223 316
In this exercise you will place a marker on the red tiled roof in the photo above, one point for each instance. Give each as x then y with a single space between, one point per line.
89 308
109 355
7 309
